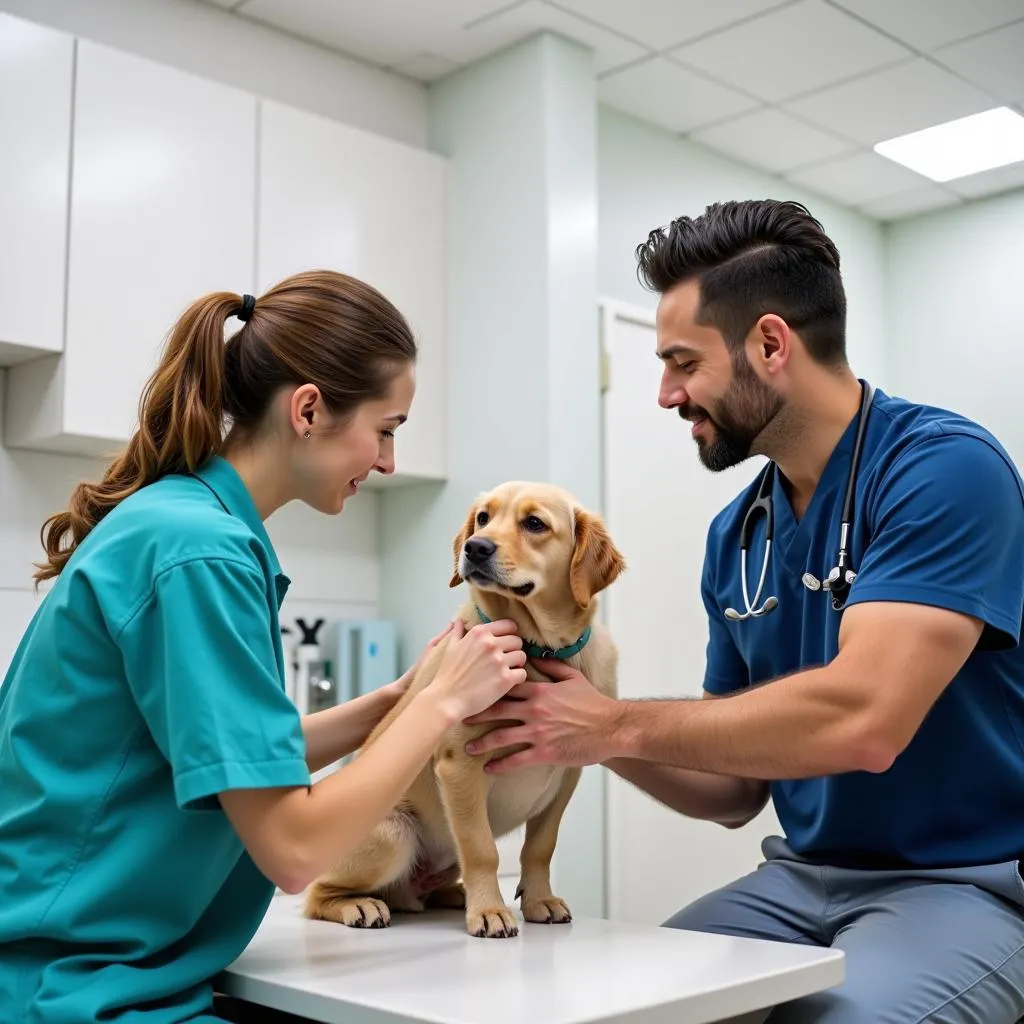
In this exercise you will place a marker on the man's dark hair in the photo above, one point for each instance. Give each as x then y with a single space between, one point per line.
750 258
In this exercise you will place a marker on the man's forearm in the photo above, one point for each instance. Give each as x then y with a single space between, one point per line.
800 726
726 799
337 731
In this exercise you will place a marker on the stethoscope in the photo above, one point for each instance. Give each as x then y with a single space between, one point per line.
840 579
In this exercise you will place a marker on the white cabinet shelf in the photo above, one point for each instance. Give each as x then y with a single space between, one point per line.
35 128
162 186
162 194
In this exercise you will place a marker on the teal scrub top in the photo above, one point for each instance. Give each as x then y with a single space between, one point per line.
150 679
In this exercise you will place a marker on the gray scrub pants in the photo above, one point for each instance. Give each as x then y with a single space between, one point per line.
943 946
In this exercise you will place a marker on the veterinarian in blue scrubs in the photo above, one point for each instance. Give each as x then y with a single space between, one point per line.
887 627
154 776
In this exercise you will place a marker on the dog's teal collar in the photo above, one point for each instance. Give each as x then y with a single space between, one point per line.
536 651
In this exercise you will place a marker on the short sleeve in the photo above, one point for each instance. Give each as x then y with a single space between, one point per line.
201 661
948 531
725 670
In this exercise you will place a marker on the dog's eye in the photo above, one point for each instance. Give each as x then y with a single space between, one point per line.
481 518
534 525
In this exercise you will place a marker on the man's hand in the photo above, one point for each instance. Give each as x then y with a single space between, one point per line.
565 722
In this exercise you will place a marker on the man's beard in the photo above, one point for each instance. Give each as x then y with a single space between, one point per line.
742 413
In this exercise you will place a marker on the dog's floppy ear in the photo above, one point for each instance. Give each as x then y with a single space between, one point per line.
460 539
596 561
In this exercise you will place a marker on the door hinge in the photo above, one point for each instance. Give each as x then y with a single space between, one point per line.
606 370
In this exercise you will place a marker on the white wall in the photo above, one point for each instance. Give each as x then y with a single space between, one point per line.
331 561
208 41
954 312
521 305
647 177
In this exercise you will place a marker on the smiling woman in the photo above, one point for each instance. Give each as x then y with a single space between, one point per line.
149 686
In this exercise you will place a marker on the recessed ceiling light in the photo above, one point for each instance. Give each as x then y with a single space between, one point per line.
957 148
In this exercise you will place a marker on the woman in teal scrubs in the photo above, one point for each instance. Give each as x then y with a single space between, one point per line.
154 776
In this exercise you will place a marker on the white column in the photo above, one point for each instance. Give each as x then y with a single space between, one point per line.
523 399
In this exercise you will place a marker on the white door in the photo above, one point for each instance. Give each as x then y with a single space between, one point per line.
659 501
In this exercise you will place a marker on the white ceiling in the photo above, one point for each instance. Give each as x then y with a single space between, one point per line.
798 88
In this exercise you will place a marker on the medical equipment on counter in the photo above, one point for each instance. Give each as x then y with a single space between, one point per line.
363 654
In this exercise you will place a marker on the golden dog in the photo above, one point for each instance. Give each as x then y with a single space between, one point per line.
528 553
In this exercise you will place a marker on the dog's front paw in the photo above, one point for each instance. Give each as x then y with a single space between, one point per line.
546 910
492 923
357 912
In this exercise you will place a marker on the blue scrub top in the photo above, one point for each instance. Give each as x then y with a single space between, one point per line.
150 679
938 520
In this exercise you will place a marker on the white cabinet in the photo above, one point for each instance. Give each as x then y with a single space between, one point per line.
335 197
169 186
162 211
35 137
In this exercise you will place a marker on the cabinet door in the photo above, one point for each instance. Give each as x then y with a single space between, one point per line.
162 211
335 197
35 142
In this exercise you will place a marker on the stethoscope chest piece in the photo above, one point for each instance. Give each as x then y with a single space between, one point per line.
837 583
810 581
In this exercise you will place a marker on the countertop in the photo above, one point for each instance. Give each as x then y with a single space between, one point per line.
426 968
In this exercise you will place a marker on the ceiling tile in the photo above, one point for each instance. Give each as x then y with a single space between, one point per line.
790 51
385 32
926 24
858 179
771 139
906 204
662 24
517 22
995 61
664 93
887 103
999 179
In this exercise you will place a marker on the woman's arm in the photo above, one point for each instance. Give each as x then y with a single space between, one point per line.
295 834
337 731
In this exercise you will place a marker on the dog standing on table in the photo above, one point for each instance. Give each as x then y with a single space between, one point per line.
528 553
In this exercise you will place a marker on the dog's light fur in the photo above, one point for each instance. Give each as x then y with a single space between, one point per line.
444 828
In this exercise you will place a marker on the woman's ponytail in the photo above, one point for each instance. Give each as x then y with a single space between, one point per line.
181 416
319 327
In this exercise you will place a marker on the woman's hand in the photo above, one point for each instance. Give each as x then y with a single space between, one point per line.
479 667
565 722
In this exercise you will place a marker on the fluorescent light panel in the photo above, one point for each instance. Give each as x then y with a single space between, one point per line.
957 148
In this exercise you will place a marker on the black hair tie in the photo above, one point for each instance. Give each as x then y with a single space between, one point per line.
248 305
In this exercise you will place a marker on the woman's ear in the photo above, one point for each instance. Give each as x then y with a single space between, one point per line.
460 539
596 561
305 403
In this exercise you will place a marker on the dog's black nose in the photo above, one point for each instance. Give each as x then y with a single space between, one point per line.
479 549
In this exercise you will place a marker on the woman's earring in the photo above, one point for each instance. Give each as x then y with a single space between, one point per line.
306 434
